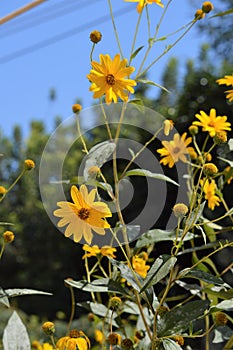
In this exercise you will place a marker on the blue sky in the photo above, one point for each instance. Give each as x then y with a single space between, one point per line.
31 65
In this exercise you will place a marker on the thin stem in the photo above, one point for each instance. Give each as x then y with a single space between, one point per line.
2 249
135 36
106 121
53 341
115 29
13 184
166 50
140 151
92 50
81 136
72 308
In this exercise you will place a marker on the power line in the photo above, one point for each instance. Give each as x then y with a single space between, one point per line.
49 14
20 11
62 36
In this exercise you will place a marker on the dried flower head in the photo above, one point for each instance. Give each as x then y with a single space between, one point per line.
179 340
220 318
127 344
114 339
180 210
95 36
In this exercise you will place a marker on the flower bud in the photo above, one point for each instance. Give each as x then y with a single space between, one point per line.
179 340
220 137
180 210
29 164
2 191
193 130
115 302
8 236
168 126
48 328
95 36
76 108
199 14
210 169
207 6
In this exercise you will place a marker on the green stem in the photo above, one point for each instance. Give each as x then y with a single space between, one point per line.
115 29
2 249
72 308
13 184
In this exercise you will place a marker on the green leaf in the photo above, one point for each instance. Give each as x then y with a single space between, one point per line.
127 274
158 270
134 54
226 305
157 235
99 285
230 162
195 215
170 344
221 14
178 319
143 172
3 298
97 156
18 292
138 102
15 334
201 275
149 82
100 310
220 293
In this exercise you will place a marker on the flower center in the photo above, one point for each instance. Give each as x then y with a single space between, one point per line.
83 213
211 124
74 333
110 79
176 150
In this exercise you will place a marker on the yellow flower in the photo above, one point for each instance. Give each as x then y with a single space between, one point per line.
99 336
75 340
167 126
108 77
38 346
143 3
95 250
212 123
227 80
175 150
108 251
209 190
48 327
139 265
84 215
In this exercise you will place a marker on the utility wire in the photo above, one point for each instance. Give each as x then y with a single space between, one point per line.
20 11
48 15
62 36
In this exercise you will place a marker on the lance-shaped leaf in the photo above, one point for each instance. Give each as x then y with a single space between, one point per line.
4 298
226 305
157 235
201 275
150 82
147 173
158 271
178 319
15 334
99 285
97 156
15 292
195 215
100 310
170 344
134 54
